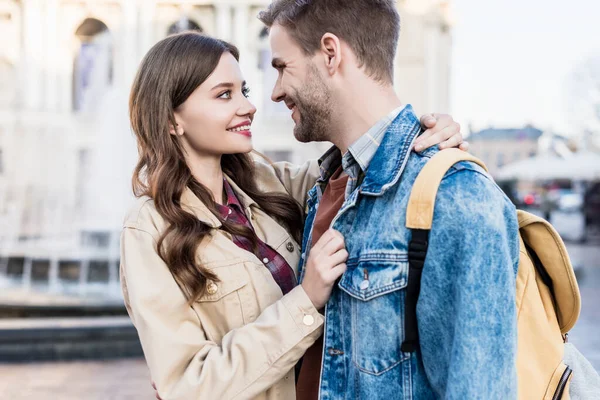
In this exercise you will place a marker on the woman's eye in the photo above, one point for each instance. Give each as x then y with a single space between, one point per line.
246 92
225 95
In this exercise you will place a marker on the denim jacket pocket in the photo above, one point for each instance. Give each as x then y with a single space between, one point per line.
376 286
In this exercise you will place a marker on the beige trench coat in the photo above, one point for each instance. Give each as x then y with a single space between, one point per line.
242 339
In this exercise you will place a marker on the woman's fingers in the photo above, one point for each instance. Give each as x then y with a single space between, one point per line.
453 141
334 245
337 271
430 137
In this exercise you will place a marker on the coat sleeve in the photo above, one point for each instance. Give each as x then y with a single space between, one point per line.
297 179
183 361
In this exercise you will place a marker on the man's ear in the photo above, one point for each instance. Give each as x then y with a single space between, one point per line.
331 49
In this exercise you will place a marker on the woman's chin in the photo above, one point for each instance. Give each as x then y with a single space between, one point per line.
241 148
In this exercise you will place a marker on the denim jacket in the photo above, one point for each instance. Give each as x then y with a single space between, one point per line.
466 310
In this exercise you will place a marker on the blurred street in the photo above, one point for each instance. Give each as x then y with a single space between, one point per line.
585 335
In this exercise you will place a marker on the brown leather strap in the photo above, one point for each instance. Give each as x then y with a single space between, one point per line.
419 214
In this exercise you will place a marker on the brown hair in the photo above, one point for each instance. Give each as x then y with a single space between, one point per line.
370 27
168 75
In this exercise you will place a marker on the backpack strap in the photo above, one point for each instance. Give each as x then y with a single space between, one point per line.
419 218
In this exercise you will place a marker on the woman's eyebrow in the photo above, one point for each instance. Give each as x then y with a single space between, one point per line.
227 85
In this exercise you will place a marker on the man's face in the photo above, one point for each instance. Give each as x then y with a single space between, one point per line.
301 86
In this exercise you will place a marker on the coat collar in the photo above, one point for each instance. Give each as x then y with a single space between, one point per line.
192 203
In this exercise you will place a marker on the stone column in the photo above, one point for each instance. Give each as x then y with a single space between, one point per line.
27 266
53 275
51 59
437 64
223 24
240 27
32 59
243 41
84 272
129 31
146 27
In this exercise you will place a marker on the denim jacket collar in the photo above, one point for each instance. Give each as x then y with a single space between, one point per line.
389 161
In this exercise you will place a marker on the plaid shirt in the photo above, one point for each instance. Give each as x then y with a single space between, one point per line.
275 263
358 157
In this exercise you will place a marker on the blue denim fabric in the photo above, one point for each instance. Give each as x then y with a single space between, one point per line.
466 310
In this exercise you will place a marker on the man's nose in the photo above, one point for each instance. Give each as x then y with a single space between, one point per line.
278 94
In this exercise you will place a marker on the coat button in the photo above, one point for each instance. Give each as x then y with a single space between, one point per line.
212 288
364 285
289 246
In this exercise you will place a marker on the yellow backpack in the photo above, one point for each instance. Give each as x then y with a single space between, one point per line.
547 294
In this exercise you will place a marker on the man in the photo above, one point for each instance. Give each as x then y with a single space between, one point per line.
335 62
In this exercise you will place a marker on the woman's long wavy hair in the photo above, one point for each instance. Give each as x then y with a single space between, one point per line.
168 75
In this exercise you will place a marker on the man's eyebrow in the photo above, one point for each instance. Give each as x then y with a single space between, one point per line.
227 85
277 63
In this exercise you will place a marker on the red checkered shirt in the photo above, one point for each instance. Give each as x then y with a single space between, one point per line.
234 212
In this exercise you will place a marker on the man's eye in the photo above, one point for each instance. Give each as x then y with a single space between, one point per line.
225 95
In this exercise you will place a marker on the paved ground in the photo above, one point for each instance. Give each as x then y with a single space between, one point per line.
585 335
108 380
130 380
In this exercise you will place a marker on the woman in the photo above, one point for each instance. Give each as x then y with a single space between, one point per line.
209 251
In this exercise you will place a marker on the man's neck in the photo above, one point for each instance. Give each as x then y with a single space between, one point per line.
360 108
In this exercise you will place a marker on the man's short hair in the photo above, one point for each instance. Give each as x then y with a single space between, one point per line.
370 27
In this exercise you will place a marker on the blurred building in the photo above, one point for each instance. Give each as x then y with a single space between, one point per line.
66 150
498 147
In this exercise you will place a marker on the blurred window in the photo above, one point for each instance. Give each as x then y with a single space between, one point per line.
15 266
69 270
99 271
182 25
93 68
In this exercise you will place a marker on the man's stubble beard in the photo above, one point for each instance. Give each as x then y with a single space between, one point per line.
313 102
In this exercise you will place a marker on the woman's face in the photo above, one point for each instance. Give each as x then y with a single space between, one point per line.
216 118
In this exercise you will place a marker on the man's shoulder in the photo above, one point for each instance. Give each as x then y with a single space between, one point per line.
465 183
472 170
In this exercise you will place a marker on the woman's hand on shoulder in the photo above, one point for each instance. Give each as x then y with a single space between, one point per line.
441 129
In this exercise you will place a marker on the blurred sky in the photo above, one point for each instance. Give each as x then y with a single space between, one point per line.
511 59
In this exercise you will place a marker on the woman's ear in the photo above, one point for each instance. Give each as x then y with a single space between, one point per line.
177 129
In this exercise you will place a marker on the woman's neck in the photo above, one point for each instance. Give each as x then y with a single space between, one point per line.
208 171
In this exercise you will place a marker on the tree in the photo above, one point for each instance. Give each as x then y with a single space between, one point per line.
583 96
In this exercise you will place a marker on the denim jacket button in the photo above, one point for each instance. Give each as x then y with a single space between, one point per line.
364 285
289 246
